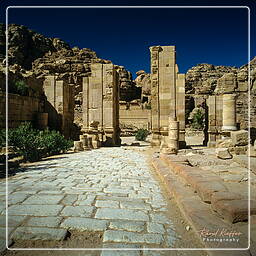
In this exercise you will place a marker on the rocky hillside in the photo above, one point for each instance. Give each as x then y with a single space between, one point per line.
33 52
26 45
202 78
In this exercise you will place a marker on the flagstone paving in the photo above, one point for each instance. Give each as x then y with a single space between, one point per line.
110 190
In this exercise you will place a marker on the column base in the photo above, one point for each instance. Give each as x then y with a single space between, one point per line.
156 140
228 128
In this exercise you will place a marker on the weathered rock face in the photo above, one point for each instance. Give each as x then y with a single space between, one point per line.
143 80
128 89
202 79
26 45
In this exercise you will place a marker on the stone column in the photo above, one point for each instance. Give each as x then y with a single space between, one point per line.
180 108
163 91
101 103
229 112
155 111
173 136
60 104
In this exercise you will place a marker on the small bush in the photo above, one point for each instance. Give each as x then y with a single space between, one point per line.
33 144
21 88
141 134
198 120
54 143
26 142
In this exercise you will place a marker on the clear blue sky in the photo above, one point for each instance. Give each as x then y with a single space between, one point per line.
216 36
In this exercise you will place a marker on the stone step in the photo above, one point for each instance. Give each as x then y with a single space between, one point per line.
207 185
198 213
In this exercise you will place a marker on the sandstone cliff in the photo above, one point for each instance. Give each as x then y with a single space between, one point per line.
26 45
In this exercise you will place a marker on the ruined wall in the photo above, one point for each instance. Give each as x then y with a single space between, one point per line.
20 109
134 117
59 104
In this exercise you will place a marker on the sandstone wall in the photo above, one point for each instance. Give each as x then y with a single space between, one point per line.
134 117
20 109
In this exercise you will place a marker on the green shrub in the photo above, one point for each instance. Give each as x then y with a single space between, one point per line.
21 88
26 142
54 143
198 120
141 134
33 144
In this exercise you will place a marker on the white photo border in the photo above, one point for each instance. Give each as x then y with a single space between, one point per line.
249 125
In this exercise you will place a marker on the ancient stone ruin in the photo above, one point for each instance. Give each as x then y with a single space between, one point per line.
94 101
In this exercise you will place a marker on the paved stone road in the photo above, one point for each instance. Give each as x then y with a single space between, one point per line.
109 190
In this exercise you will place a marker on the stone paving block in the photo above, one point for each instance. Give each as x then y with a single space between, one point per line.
140 195
131 237
153 238
153 227
117 194
51 192
27 191
121 214
35 210
157 204
136 226
13 221
69 199
107 204
117 190
51 222
159 218
120 253
85 200
135 205
16 198
78 211
84 224
44 199
121 199
39 233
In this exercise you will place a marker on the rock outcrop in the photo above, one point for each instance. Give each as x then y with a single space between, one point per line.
143 80
25 45
202 78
